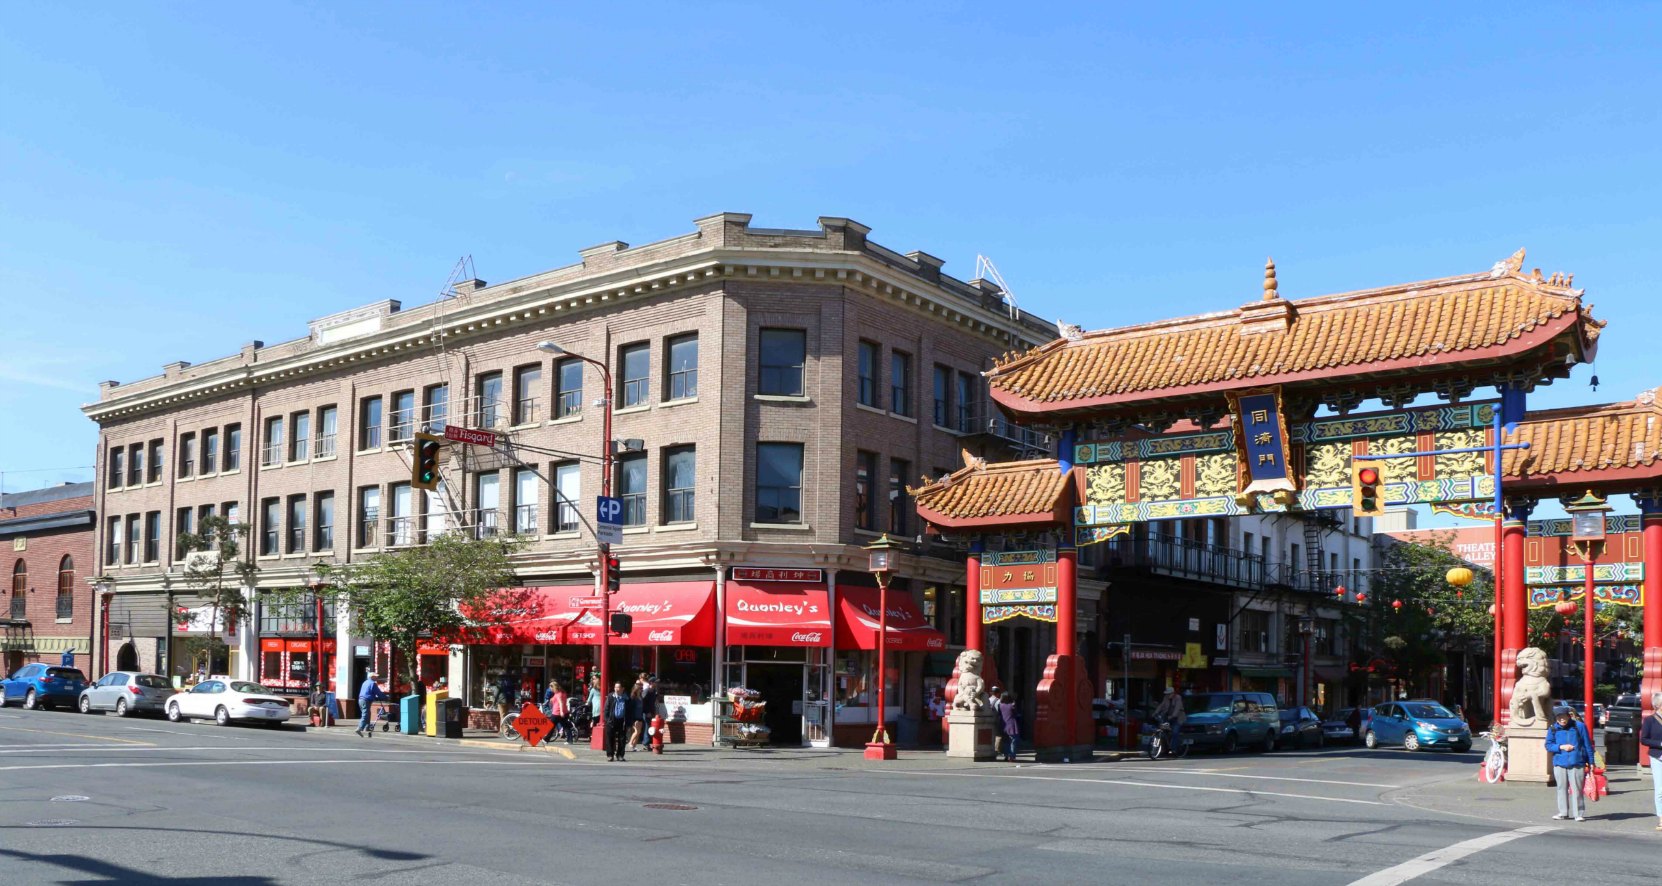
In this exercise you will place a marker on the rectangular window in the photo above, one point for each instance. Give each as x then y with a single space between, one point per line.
324 535
187 455
328 426
631 487
568 488
683 367
943 395
233 448
488 392
870 354
112 542
527 403
900 504
203 512
401 519
271 453
369 423
369 515
438 511
1246 542
152 536
1255 631
300 436
210 451
435 403
271 525
487 493
965 403
231 511
865 498
135 465
782 353
155 461
526 486
297 524
636 363
900 383
181 527
680 468
778 482
118 467
568 388
133 538
403 416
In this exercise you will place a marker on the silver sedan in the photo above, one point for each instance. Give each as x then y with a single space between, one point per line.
127 692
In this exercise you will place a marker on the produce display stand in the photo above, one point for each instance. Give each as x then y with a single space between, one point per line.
739 716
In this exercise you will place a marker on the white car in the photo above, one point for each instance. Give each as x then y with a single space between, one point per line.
227 700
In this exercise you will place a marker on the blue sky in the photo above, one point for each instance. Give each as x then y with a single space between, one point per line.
176 179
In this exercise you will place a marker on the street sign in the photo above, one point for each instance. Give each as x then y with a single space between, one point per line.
584 602
533 725
608 520
468 435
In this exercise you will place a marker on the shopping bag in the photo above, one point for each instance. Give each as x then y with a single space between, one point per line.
1595 785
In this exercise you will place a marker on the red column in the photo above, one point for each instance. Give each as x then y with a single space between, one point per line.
1067 595
1514 597
1651 679
972 600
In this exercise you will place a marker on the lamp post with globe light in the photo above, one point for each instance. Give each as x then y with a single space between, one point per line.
883 557
1587 515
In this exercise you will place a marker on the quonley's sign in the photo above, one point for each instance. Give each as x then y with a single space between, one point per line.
743 605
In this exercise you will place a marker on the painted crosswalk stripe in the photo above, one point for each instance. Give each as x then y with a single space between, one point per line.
1431 861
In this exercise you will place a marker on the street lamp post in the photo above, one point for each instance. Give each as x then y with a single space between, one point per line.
315 582
1587 529
882 554
1306 627
597 738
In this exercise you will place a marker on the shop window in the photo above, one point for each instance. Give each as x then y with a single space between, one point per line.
782 354
856 679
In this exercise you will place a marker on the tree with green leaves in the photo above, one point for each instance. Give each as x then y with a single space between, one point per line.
218 565
440 590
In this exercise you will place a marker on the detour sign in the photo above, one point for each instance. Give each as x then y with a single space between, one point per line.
533 725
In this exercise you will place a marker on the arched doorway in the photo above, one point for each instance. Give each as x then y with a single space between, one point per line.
126 658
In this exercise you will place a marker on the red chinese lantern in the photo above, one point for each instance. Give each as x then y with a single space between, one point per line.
1339 591
1459 595
1361 598
1430 611
1564 607
1397 605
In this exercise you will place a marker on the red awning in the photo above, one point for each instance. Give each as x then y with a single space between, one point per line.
666 614
778 614
857 622
527 615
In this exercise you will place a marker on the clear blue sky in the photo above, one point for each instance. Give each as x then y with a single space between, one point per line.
178 179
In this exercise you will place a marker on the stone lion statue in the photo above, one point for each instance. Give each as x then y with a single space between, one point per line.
1532 694
972 690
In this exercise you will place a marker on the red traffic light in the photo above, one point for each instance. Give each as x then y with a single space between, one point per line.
1369 476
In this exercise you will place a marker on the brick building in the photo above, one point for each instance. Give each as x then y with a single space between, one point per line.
47 538
776 391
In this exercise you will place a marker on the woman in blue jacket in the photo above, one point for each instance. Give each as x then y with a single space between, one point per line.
1572 751
1650 735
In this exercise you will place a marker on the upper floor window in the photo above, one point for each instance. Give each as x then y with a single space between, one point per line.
778 482
369 515
300 436
631 488
133 538
233 447
870 353
210 451
435 402
271 526
403 416
66 587
683 367
782 353
527 402
187 455
20 589
964 399
118 467
636 362
900 383
526 485
568 388
369 423
568 486
865 501
943 394
324 534
488 390
680 468
899 502
272 452
181 528
112 541
328 425
135 464
297 524
155 472
152 536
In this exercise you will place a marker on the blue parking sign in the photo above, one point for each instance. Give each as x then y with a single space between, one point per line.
608 520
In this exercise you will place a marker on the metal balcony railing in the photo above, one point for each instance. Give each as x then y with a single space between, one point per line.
1187 558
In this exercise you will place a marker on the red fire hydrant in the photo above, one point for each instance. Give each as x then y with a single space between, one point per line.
656 728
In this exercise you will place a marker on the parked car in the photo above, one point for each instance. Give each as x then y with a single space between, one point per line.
1346 724
1228 720
127 692
43 686
1416 725
227 700
1627 700
1300 726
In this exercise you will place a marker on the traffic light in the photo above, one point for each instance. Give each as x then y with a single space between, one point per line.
614 575
622 622
1367 497
424 468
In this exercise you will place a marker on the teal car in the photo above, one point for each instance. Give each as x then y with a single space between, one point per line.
1415 725
1230 720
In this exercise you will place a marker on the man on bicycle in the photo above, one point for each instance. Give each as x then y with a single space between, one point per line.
1170 713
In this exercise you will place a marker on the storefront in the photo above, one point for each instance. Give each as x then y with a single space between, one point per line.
778 631
910 642
287 664
202 644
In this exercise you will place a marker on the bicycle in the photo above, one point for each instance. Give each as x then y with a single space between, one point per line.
1493 768
1162 743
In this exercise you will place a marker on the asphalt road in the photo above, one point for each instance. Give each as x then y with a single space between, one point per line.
100 799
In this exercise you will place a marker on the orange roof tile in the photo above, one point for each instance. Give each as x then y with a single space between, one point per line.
1490 318
1590 443
984 494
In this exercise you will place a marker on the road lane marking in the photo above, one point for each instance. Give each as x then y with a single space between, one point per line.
1143 784
1431 861
79 735
1352 784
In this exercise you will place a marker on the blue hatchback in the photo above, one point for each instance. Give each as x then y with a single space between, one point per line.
40 686
1416 725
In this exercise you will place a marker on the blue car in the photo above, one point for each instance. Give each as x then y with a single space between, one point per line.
1415 725
42 686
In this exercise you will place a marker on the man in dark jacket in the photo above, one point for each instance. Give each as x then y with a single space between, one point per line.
1650 735
1171 711
648 686
1571 753
619 711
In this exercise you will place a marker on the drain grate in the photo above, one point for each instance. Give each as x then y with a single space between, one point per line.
71 798
53 823
674 807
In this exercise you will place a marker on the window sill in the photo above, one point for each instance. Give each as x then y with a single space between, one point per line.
369 451
787 527
631 410
226 473
63 621
524 426
271 557
905 418
871 409
782 398
271 467
565 419
867 532
296 461
295 556
176 480
677 527
681 402
946 430
325 457
636 530
563 535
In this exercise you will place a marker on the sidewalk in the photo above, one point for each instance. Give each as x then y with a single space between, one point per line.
1628 810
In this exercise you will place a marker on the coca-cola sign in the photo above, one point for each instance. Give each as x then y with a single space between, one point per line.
806 637
660 636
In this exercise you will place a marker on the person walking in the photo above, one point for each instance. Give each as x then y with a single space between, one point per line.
370 692
419 690
554 702
646 694
1650 735
1010 720
620 711
1571 754
1170 713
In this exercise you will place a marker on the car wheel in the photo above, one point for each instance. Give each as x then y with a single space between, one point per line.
1321 742
29 702
222 716
1229 742
1463 747
1411 741
86 705
173 713
1269 741
1370 740
121 707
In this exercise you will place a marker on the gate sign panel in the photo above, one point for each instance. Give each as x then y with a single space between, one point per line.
1175 476
1018 584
